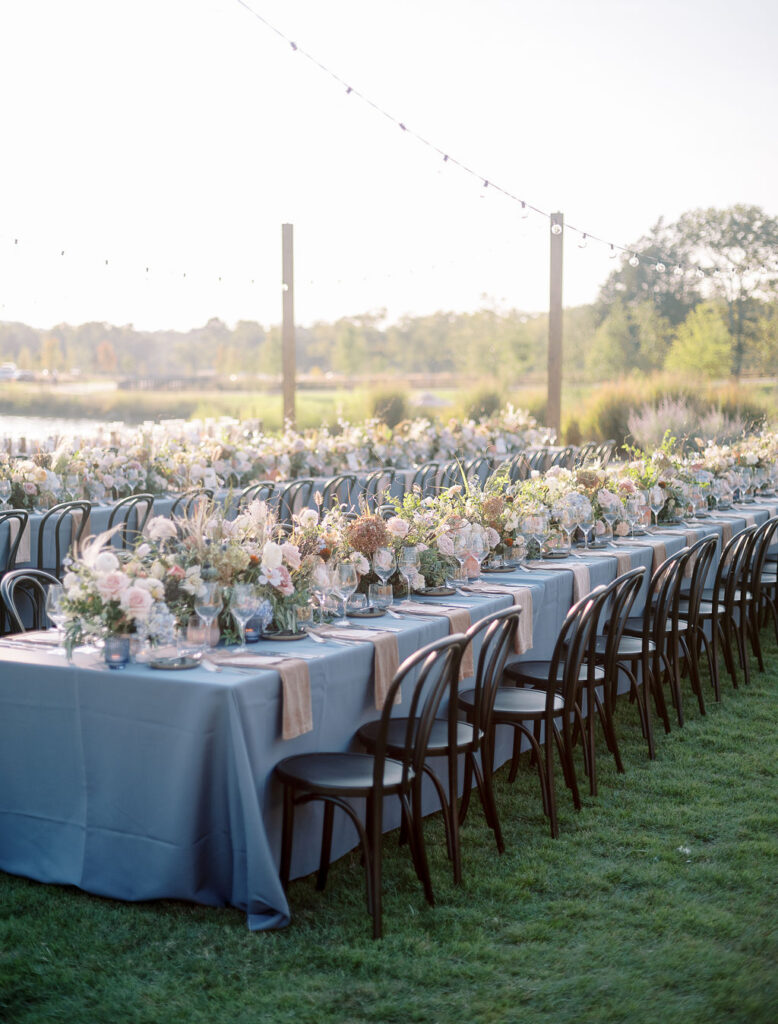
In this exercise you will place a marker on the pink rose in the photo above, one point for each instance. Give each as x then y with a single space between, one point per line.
137 601
398 527
112 585
445 544
285 585
622 529
176 572
291 554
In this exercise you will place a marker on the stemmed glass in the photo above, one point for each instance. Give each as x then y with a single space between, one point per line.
586 523
611 514
384 564
408 563
656 501
568 522
321 578
244 605
632 506
208 604
346 580
56 613
478 549
537 527
5 492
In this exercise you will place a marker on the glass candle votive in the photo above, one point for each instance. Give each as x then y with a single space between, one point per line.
116 651
379 595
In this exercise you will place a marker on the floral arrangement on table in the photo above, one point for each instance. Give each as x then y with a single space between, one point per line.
109 593
251 548
33 484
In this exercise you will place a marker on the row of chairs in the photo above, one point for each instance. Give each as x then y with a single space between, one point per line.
602 651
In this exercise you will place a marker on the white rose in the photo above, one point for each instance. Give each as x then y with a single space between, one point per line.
106 561
136 601
160 528
308 517
398 527
112 585
272 556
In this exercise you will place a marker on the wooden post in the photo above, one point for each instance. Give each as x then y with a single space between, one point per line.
554 394
287 325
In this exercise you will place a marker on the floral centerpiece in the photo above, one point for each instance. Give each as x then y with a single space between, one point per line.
109 593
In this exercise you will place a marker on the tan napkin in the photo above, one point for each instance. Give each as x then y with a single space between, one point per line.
522 598
582 583
38 638
296 713
76 516
660 554
726 529
386 660
623 560
458 622
23 552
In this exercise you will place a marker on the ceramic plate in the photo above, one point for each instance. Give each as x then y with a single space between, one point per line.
367 613
436 591
495 568
174 664
279 635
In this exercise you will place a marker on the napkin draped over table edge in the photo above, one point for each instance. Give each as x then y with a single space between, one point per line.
458 622
296 711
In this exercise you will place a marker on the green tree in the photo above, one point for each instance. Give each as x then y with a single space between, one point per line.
703 344
630 338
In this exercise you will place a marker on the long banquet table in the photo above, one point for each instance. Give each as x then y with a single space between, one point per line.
148 784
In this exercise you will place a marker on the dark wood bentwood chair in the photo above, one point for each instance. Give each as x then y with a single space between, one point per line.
62 527
131 514
22 590
337 777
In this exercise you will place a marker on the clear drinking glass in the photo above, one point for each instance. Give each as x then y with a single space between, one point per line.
384 564
244 605
5 492
346 582
208 604
56 613
408 564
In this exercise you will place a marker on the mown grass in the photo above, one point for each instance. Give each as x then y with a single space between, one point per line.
657 903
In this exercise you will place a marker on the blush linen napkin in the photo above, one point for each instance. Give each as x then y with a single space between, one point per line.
522 598
582 583
386 660
458 622
623 561
296 714
23 553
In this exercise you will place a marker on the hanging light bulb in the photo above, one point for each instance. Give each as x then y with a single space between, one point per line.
699 273
678 270
524 210
556 229
613 253
634 261
583 243
660 268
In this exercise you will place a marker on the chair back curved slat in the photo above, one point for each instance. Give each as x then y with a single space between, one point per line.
338 491
377 484
262 490
425 478
293 496
16 520
131 514
187 502
498 640
61 528
30 585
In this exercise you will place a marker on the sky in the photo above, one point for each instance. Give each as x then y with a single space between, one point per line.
152 150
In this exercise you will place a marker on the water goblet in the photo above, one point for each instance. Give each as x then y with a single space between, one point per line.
346 582
408 564
384 564
656 502
55 612
244 604
5 492
208 604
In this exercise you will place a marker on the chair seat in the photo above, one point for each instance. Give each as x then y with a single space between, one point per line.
629 646
635 627
438 740
348 773
515 701
536 672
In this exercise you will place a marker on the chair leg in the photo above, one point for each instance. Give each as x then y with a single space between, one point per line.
418 840
486 792
326 846
287 831
373 867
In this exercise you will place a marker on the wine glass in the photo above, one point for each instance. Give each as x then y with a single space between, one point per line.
321 578
55 612
656 501
384 564
611 514
244 604
409 563
5 492
586 522
478 549
632 507
346 580
568 522
208 604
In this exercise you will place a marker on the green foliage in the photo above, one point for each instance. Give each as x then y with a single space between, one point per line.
482 401
703 345
389 405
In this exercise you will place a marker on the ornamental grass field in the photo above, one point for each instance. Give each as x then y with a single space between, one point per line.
658 903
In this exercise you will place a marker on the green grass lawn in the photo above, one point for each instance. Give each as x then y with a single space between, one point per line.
658 903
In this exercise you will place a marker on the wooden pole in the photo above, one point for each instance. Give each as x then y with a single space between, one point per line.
554 394
287 325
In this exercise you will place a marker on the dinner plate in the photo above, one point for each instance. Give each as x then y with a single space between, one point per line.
436 592
174 664
279 634
495 568
555 554
366 613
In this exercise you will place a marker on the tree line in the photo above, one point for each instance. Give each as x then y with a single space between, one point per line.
700 299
